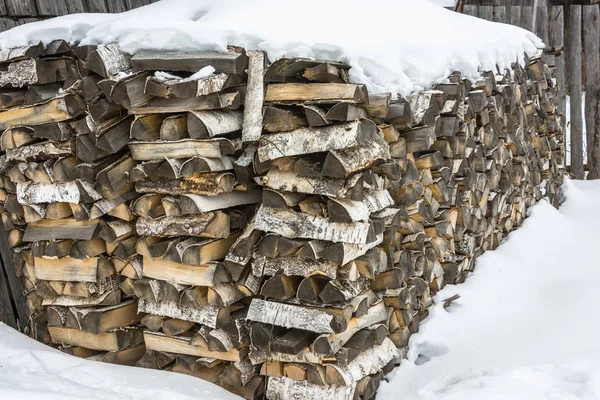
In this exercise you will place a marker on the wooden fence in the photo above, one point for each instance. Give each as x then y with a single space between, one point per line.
18 12
574 32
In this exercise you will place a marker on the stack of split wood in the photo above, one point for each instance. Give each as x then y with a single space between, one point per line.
271 228
197 198
67 199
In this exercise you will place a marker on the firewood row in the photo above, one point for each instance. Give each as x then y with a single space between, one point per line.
270 227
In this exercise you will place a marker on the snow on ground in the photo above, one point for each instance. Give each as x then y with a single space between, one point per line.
525 328
397 46
31 370
527 325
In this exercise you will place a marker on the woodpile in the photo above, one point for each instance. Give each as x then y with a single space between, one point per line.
268 227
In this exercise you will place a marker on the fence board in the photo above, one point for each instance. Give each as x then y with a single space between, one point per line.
51 8
75 6
541 24
557 36
486 12
574 71
515 16
7 314
591 40
15 285
96 6
117 6
527 18
20 8
470 10
3 8
500 14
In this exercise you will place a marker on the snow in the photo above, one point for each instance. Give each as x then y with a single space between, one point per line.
393 46
31 370
526 325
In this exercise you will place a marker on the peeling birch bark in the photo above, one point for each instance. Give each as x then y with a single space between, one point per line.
282 388
315 140
255 94
292 224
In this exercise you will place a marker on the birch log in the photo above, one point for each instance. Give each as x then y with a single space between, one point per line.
255 95
207 315
367 363
282 388
315 140
330 344
211 225
291 316
292 224
292 265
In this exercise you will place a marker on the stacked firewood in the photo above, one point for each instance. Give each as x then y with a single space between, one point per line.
198 197
68 199
271 228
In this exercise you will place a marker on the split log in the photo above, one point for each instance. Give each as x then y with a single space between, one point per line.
232 62
211 225
315 93
293 224
209 184
283 119
185 88
332 343
253 103
54 110
66 269
107 60
283 388
109 341
181 345
313 140
69 228
291 316
199 275
191 203
150 151
214 101
367 363
207 124
206 315
35 71
292 265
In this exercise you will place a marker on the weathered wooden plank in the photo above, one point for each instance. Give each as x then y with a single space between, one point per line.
575 91
470 9
15 286
76 6
255 97
515 15
557 42
486 12
117 6
591 39
52 8
527 18
21 8
541 24
500 14
96 6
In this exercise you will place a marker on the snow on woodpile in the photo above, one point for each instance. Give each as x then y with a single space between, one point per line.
392 46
